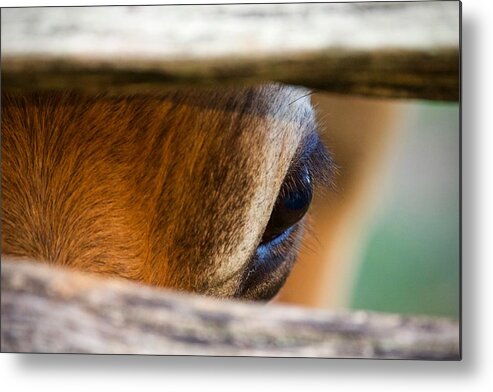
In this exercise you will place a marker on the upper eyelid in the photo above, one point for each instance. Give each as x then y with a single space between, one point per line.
313 154
322 165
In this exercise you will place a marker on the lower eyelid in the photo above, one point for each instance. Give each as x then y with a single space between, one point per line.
277 241
267 259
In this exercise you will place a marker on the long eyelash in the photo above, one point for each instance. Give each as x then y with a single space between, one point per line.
321 165
319 162
303 96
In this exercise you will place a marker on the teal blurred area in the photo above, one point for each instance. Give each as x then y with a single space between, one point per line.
410 263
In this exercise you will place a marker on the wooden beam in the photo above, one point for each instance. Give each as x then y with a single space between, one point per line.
400 50
45 309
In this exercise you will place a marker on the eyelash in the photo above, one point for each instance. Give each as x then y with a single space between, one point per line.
316 160
319 163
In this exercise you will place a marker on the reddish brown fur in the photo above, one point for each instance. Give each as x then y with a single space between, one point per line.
171 190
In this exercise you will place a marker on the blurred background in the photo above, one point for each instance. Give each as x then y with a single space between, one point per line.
387 239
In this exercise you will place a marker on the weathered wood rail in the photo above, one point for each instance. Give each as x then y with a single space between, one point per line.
402 50
46 309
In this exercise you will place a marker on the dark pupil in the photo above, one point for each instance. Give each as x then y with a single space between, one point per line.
291 204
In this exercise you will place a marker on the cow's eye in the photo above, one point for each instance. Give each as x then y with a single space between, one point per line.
291 205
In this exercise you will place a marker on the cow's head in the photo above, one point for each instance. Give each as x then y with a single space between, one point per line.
202 190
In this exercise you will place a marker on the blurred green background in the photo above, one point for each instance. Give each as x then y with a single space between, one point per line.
411 260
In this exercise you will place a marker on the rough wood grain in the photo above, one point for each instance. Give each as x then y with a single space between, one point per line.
405 50
51 310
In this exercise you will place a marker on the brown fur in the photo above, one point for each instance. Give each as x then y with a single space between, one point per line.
172 190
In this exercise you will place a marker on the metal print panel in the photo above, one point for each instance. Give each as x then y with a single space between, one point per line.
275 180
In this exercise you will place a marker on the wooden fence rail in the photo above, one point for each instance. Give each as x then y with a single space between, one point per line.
404 50
45 309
